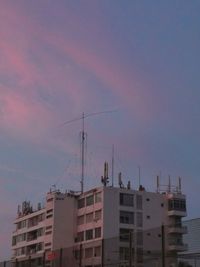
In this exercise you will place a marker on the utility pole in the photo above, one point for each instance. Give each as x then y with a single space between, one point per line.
80 255
130 248
163 244
60 257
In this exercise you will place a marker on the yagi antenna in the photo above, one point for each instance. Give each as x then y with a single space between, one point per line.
83 138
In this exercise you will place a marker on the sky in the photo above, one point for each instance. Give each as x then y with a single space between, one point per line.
58 59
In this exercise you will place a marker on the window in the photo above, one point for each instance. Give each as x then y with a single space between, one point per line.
50 199
49 216
41 217
126 217
89 234
139 202
98 232
49 211
124 253
97 251
126 200
39 246
21 224
148 216
48 233
98 197
147 199
80 236
89 200
139 219
48 227
89 217
177 204
80 220
124 235
97 215
139 238
14 240
88 253
139 255
81 203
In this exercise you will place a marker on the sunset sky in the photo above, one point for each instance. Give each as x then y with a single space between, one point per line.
59 59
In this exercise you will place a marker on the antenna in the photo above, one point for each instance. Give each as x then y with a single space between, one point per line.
179 184
82 153
139 175
112 165
105 178
83 137
169 185
158 183
120 180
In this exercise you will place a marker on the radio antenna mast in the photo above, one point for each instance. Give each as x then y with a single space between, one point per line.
83 152
113 165
83 138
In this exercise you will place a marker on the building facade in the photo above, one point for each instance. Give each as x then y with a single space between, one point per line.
105 226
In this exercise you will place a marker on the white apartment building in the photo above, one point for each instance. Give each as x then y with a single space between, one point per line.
106 226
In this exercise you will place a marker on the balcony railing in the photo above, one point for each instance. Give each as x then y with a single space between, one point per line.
177 229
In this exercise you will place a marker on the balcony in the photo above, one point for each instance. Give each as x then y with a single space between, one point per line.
178 247
180 213
177 229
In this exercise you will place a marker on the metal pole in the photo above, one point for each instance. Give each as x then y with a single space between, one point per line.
130 248
80 256
29 261
163 244
82 153
43 260
61 257
102 253
112 165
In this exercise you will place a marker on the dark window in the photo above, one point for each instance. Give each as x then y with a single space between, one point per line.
124 235
139 202
139 219
80 236
81 203
89 234
148 216
139 255
126 200
147 199
177 204
89 200
98 232
49 211
126 217
139 238
49 216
